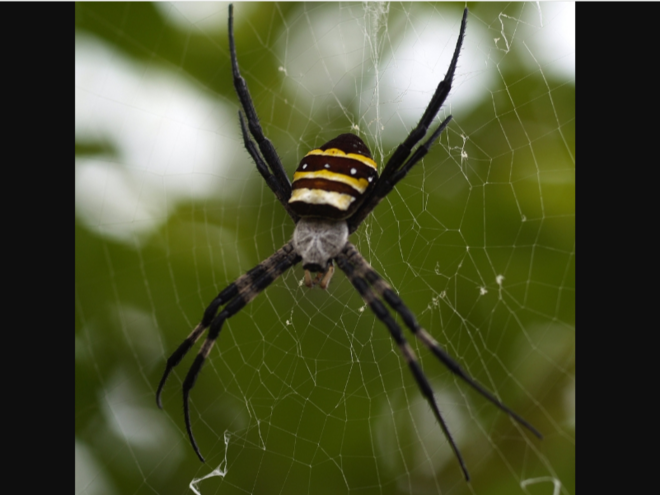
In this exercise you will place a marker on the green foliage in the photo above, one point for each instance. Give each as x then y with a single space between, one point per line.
306 385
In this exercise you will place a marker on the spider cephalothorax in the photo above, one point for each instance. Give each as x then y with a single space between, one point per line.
334 189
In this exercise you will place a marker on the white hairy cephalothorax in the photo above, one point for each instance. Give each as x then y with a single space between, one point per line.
318 241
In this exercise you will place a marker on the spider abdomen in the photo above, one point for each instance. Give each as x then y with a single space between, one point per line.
331 181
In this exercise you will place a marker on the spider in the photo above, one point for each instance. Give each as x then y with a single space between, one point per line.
334 189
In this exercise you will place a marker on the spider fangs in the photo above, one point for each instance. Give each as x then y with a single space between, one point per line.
334 189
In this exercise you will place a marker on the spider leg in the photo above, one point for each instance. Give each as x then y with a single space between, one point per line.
270 179
389 183
228 293
237 295
363 269
439 97
386 184
381 312
266 147
393 171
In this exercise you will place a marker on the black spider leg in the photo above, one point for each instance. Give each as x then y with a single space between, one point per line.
281 186
236 295
228 293
270 179
233 307
397 167
364 269
381 312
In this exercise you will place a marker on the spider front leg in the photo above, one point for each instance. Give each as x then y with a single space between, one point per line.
364 270
237 295
227 294
384 315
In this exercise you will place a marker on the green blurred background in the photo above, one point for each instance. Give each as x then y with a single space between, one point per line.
304 391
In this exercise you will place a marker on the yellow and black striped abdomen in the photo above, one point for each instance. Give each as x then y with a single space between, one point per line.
331 181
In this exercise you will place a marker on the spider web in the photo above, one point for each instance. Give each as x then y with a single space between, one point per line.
305 392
